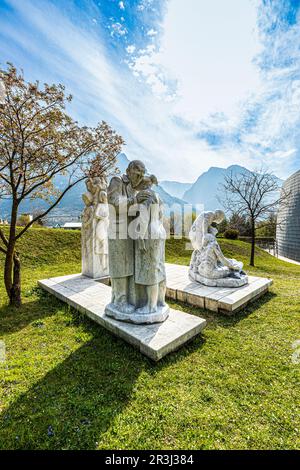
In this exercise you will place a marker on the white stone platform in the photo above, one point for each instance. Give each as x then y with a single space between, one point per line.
226 300
90 297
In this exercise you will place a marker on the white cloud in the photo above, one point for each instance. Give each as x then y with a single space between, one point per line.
121 5
101 91
152 32
208 47
161 132
146 65
144 4
130 49
118 29
208 55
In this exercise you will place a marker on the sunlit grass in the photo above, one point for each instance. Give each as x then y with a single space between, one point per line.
69 384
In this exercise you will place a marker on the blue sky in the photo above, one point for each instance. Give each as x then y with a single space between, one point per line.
189 84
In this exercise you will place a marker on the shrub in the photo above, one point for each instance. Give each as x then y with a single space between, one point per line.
231 234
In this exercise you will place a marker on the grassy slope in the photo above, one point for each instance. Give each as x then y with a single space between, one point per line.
68 384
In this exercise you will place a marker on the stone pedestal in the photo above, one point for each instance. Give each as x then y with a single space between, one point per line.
160 315
94 265
94 231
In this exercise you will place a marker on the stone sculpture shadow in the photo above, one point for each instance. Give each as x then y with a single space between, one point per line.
13 320
78 400
73 404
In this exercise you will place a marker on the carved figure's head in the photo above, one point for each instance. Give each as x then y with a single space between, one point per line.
147 182
89 185
136 171
219 216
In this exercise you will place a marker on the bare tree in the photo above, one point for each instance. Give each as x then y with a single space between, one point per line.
38 140
254 195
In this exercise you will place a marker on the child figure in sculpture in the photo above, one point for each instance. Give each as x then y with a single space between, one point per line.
150 252
101 216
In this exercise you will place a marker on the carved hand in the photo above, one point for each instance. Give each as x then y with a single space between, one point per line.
143 196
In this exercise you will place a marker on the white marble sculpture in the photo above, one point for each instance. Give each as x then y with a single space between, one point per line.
136 248
208 264
94 232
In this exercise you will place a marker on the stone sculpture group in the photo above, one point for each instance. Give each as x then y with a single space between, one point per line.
123 236
136 248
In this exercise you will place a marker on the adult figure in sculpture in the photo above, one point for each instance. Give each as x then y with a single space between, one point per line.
122 194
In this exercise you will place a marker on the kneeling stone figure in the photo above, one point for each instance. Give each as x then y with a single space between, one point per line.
208 264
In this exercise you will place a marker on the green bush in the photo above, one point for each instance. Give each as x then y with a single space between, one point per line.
231 234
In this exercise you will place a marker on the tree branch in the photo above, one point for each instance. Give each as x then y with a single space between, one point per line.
2 250
40 216
3 237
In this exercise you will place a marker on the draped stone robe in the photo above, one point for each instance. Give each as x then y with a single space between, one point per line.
120 195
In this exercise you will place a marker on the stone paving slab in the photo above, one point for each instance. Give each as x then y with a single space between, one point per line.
226 300
155 341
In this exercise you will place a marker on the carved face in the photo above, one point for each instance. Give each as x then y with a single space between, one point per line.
89 185
135 175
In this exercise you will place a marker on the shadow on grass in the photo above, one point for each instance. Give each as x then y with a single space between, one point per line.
76 401
13 319
230 320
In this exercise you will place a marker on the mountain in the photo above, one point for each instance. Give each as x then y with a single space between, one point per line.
208 186
204 191
122 162
166 197
71 205
175 188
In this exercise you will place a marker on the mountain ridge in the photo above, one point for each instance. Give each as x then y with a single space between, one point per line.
204 191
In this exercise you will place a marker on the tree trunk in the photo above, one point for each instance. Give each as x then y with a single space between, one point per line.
15 293
12 277
12 267
8 268
252 242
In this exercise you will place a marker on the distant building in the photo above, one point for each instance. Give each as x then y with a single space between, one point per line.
72 226
29 216
288 221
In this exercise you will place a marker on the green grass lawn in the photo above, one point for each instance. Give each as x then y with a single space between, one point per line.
69 384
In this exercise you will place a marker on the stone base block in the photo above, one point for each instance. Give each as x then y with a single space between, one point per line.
225 300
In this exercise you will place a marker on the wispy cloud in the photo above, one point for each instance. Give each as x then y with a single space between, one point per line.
69 52
192 96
